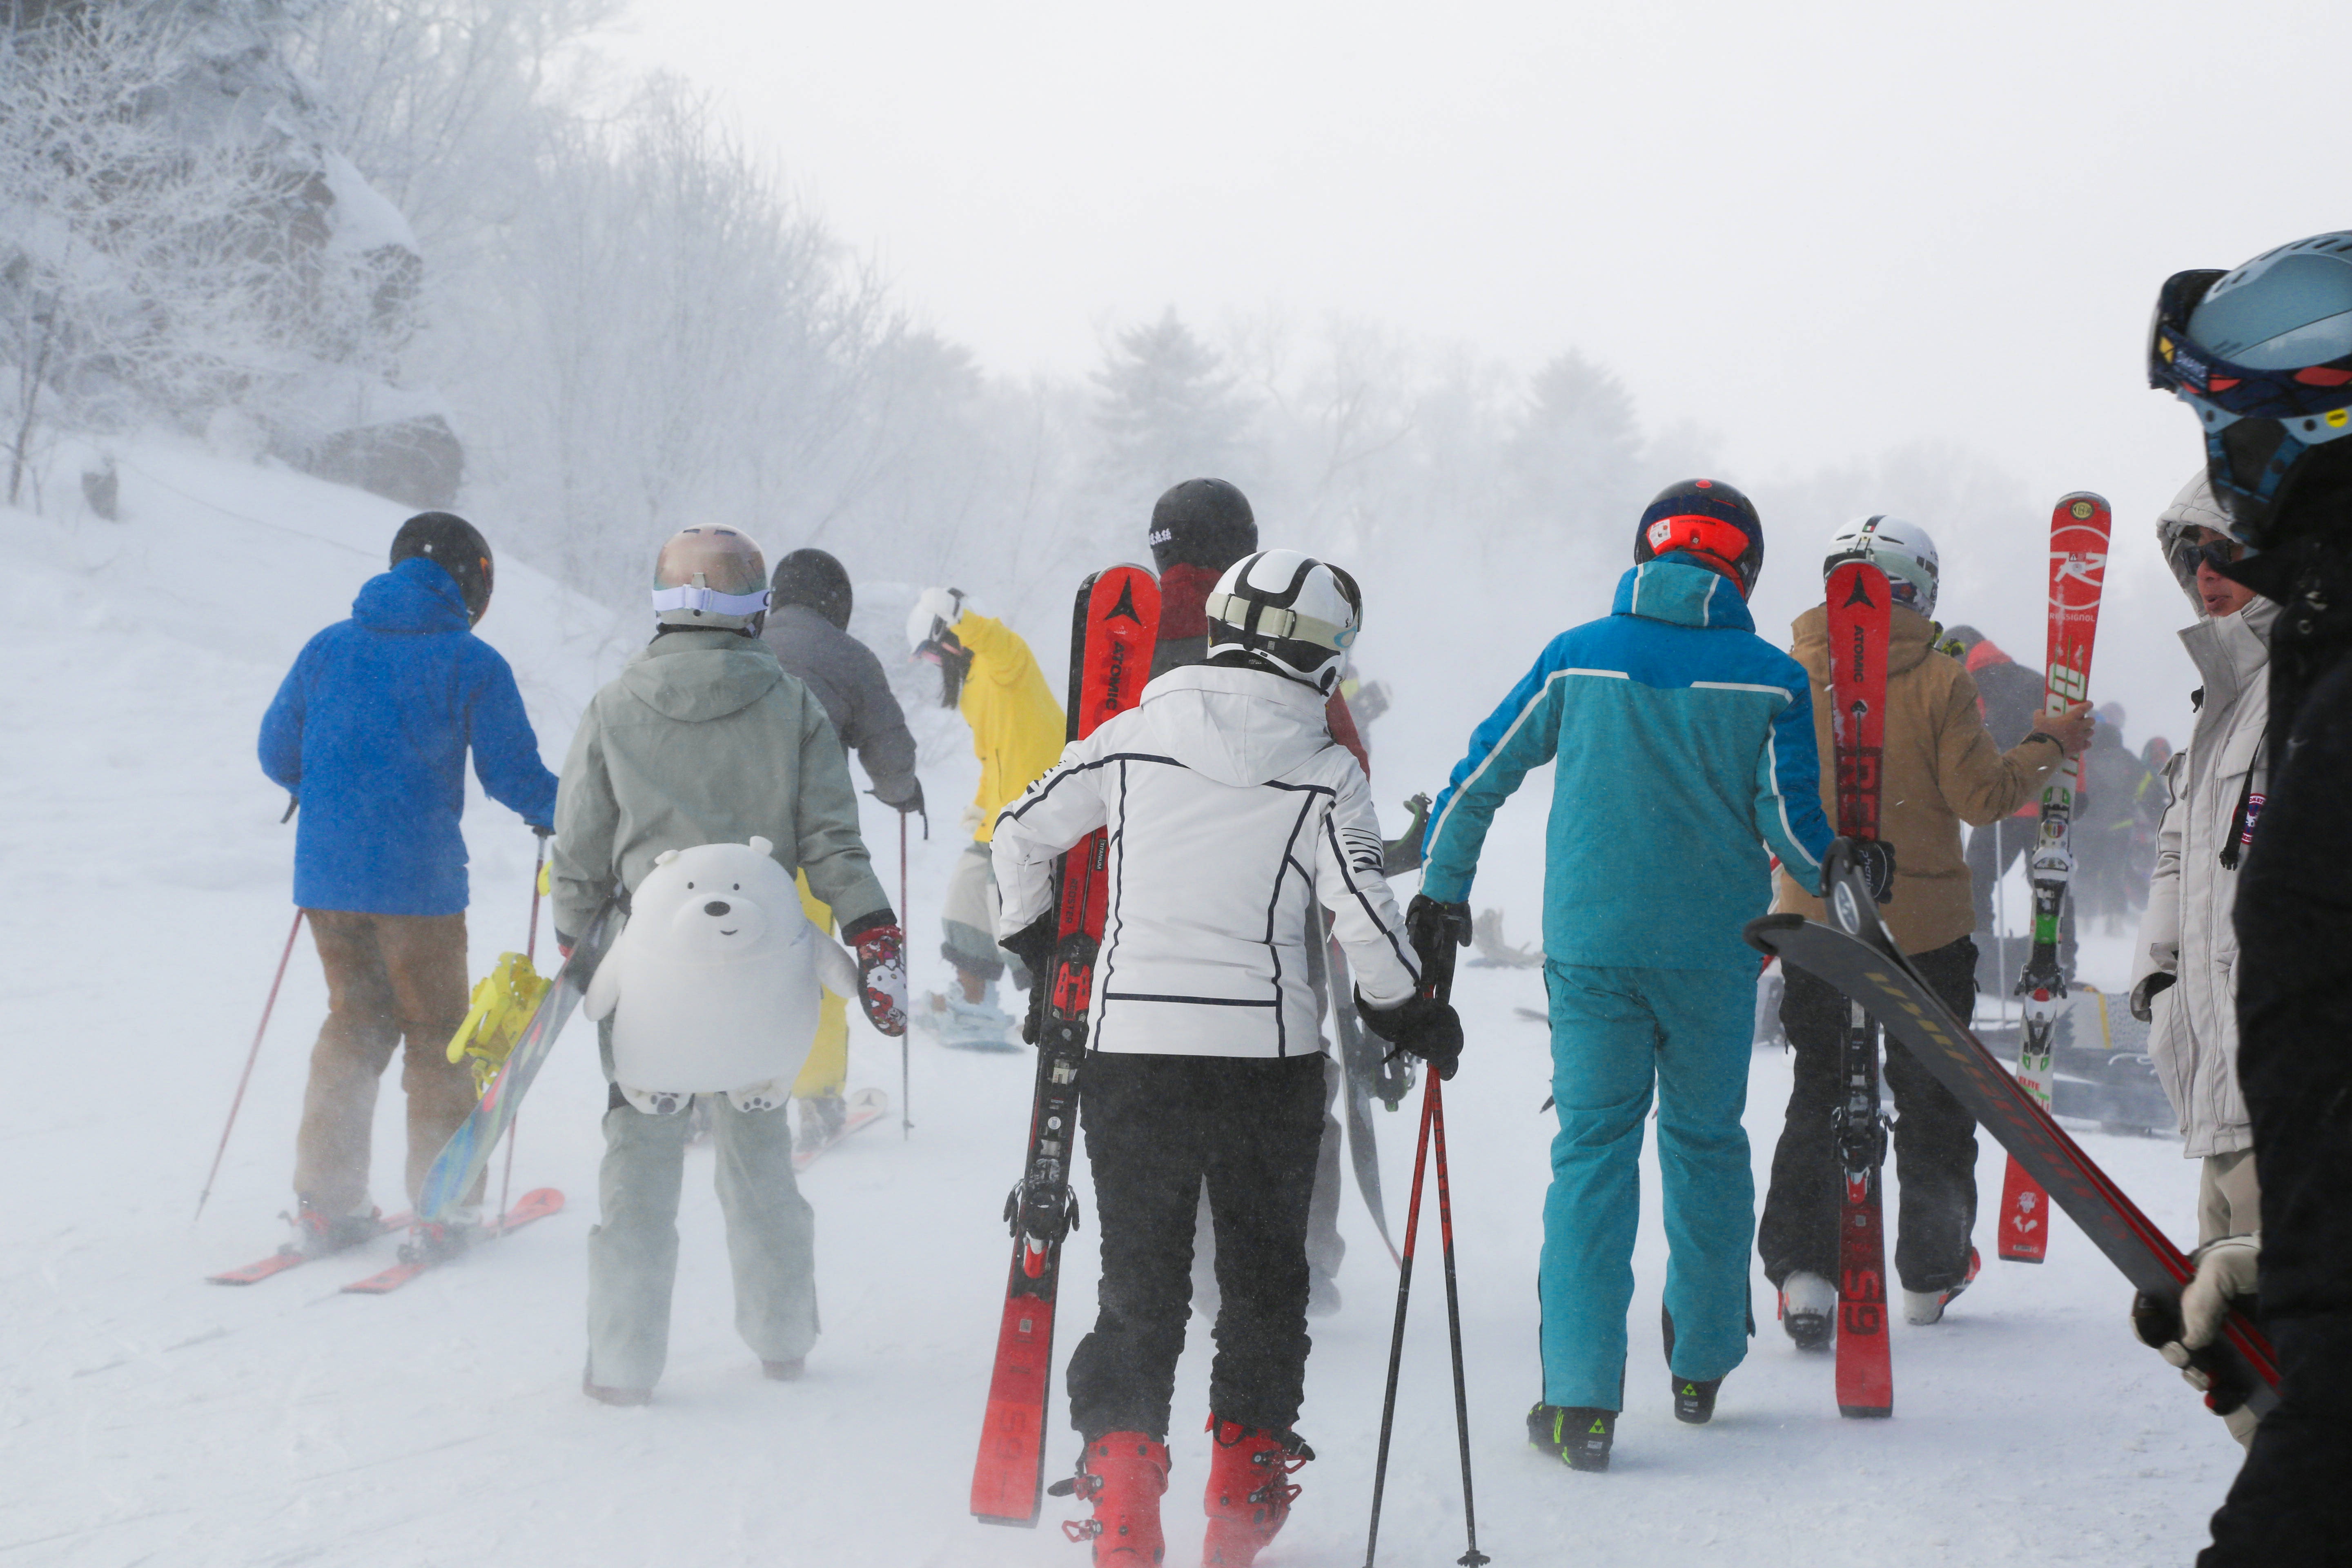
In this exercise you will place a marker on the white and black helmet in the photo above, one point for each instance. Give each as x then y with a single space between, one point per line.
1295 614
1901 550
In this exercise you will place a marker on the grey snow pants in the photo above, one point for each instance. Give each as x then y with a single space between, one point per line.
632 1253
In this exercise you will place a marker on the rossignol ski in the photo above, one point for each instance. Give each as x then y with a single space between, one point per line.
467 1153
1857 957
2079 526
1114 629
1860 615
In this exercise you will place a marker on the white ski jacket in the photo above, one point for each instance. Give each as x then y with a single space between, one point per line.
1230 806
2187 930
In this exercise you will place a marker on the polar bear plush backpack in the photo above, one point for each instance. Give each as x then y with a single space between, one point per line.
713 985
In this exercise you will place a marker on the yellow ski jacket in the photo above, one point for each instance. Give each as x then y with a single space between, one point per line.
1016 726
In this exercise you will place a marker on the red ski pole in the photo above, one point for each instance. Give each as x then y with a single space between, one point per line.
530 955
250 1057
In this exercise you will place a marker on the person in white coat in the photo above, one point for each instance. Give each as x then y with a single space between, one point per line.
2184 984
1232 813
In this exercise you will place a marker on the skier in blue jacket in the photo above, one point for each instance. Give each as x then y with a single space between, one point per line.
370 732
1688 752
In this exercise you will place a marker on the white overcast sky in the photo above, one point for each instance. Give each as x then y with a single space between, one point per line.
1816 229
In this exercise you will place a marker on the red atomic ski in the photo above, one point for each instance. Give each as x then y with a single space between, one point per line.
1860 611
537 1204
2079 526
1114 630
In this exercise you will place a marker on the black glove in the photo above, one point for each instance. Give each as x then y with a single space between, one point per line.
539 832
1033 944
2144 995
1422 1027
1432 927
1874 859
908 807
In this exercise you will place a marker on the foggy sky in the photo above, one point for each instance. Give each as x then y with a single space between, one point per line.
1816 230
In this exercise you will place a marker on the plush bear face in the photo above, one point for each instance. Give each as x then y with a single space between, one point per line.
716 902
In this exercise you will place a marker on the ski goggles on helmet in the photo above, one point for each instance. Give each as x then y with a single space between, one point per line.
708 601
2257 421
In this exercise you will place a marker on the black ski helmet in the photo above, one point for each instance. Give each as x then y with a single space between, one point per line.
455 545
1202 523
2263 354
815 579
1705 518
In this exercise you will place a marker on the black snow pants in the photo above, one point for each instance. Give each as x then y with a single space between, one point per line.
1934 1140
1157 1127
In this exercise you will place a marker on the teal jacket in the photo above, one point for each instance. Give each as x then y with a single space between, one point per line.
1689 750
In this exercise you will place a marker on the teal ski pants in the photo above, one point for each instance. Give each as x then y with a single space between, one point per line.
1615 1033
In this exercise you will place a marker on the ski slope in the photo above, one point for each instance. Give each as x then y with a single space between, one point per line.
146 1417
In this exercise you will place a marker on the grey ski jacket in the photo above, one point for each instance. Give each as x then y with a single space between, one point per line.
703 739
848 682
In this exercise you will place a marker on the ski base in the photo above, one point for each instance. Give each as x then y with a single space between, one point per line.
292 1257
537 1204
866 1107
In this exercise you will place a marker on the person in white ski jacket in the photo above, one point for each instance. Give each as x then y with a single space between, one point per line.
2184 982
1230 813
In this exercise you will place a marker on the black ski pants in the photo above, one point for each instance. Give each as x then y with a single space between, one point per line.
1934 1140
1157 1128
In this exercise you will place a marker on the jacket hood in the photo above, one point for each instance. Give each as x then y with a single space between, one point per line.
1910 639
694 675
415 596
1674 589
1240 727
2231 651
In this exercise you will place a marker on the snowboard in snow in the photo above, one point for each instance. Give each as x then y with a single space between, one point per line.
467 1153
2079 526
1860 612
866 1107
1860 959
537 1204
1114 627
292 1256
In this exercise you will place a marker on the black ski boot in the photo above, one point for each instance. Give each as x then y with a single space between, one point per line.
1693 1397
1577 1435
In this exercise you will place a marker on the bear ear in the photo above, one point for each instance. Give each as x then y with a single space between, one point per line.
665 857
763 846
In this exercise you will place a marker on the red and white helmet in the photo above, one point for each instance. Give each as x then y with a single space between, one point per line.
1290 611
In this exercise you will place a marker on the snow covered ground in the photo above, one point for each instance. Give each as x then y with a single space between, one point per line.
148 1417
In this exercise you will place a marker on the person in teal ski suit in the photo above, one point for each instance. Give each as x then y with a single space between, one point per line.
1689 750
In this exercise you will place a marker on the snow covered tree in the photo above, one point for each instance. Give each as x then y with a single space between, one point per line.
1167 408
1574 459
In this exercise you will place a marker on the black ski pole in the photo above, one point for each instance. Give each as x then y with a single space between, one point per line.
906 1097
1473 1558
250 1057
1396 1337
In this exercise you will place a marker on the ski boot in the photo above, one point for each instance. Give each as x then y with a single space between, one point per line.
1809 1310
605 1393
1577 1435
318 1234
1249 1497
437 1242
784 1370
1123 1474
1694 1396
979 1026
822 1119
1921 1307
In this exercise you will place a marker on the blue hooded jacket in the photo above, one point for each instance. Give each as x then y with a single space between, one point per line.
370 728
1686 745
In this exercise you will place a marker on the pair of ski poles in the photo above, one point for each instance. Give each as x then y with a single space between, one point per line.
1433 1131
237 1103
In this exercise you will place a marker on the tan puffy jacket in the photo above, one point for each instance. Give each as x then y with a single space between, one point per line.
1940 769
2187 930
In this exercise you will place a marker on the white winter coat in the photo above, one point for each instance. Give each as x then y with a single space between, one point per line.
1230 806
2187 930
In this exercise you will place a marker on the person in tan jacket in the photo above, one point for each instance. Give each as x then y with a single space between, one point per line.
1940 769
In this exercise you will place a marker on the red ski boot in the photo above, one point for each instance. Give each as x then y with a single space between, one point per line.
1123 1474
1250 1493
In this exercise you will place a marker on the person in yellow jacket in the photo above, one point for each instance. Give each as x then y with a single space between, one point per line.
987 674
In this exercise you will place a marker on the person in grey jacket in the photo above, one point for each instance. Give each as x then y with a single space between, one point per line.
809 602
2184 982
703 739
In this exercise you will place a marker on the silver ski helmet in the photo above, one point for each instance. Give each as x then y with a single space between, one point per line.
2263 355
710 579
1901 550
1288 612
1708 519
